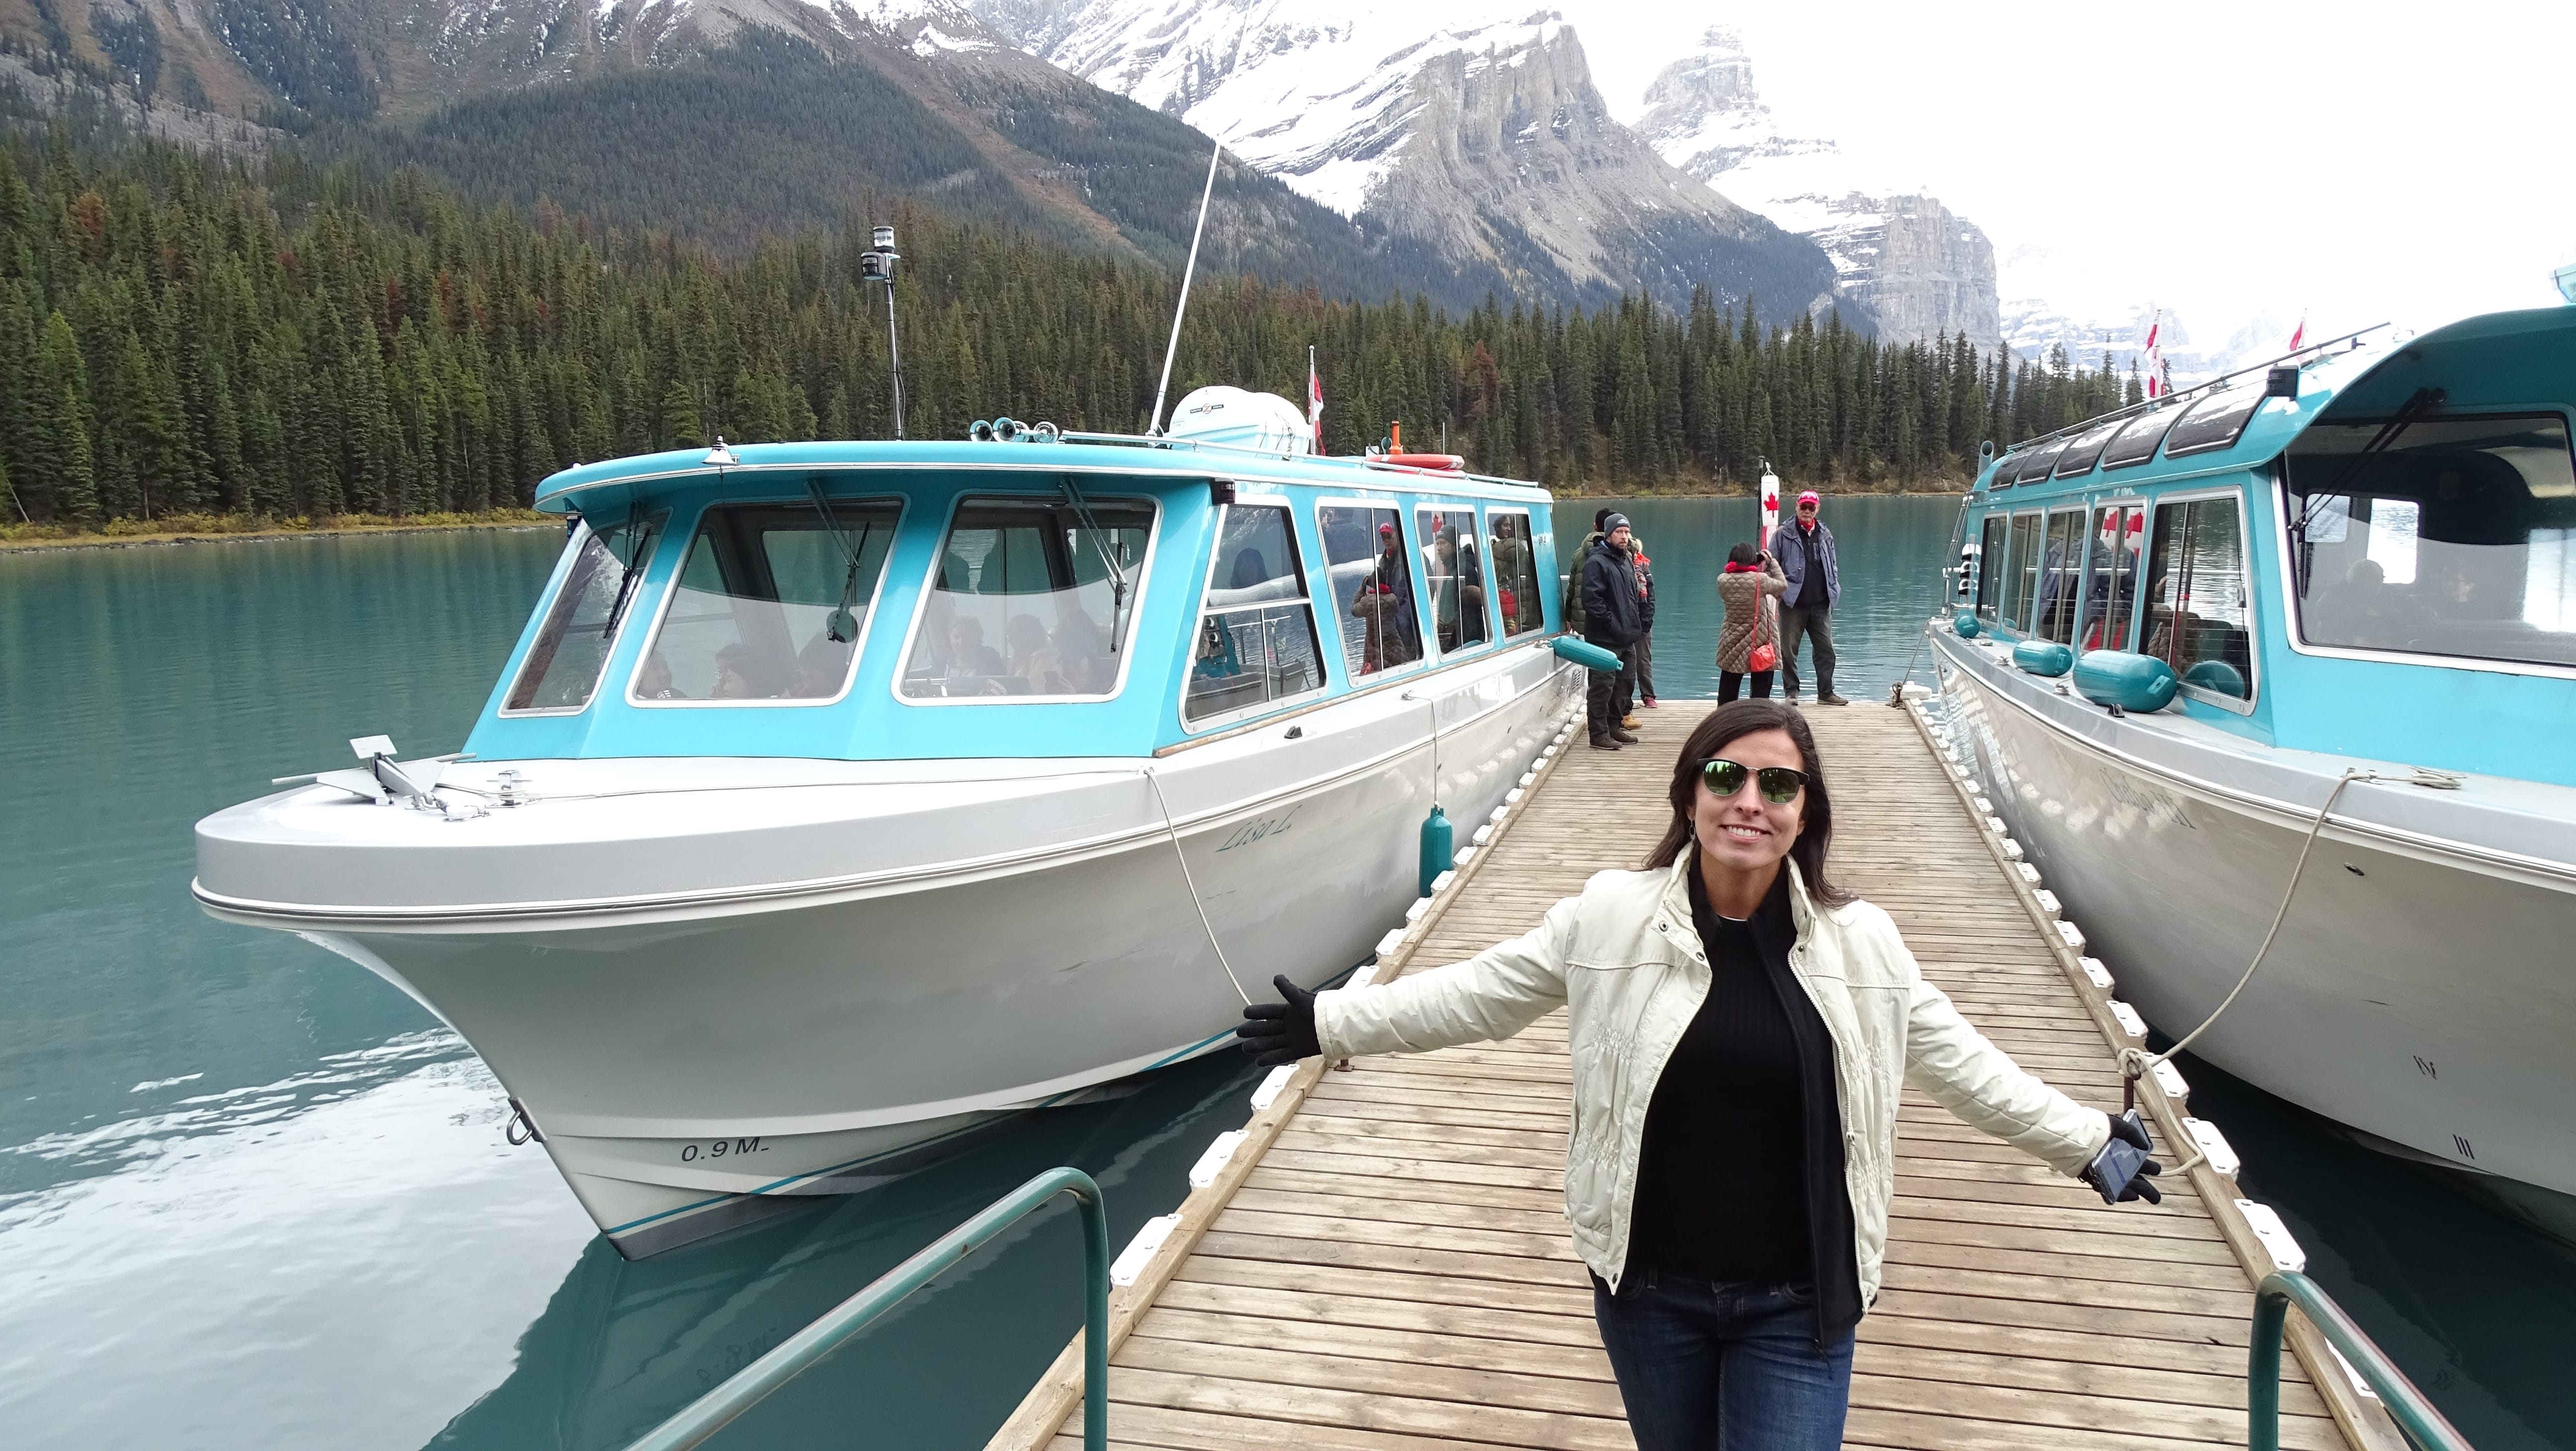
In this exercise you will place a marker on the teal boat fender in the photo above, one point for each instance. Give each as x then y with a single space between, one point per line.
1583 653
1436 847
2043 657
2129 681
1964 624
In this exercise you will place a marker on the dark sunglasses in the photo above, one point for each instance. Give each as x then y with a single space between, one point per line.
1780 784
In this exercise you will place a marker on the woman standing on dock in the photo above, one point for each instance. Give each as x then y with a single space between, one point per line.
1740 1031
1749 586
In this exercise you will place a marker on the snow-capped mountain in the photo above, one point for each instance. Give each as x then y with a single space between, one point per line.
1922 271
1478 129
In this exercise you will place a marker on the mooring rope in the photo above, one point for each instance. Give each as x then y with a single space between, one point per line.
1209 927
2136 1063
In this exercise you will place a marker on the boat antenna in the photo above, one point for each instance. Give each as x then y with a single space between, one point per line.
877 265
1181 307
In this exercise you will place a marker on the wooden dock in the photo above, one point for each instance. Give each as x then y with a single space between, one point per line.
1384 1263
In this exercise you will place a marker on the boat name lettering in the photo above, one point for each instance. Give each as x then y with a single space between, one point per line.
719 1148
1256 829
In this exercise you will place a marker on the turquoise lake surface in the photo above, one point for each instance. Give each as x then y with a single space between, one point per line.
253 1197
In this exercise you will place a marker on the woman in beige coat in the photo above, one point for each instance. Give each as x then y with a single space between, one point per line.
1740 1032
1751 582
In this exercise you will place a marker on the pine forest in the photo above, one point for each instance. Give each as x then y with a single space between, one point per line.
181 334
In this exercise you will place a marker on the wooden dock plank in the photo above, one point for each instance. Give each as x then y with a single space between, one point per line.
1394 1271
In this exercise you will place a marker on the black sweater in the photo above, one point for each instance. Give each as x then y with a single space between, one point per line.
1740 1176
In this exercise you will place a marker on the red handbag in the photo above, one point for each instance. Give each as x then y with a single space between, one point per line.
1765 656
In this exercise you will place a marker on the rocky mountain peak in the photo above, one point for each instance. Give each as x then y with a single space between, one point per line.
1478 129
1919 269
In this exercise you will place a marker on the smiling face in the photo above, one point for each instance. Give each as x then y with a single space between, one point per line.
1743 832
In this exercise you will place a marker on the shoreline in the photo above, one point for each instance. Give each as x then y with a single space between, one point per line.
218 533
270 533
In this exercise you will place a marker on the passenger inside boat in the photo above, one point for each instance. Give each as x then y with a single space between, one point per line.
1256 638
769 604
1515 574
2444 536
1007 567
1455 575
1373 587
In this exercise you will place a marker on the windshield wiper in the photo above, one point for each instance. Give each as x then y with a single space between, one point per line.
1117 570
2424 401
842 626
626 582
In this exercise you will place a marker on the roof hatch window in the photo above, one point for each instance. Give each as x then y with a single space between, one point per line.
2083 450
2136 441
1033 599
2215 422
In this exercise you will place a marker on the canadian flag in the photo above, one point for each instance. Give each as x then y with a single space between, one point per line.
1315 400
2155 356
2299 335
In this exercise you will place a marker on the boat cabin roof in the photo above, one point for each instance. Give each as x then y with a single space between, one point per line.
2494 362
753 469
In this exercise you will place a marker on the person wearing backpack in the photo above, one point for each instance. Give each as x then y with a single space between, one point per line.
1748 643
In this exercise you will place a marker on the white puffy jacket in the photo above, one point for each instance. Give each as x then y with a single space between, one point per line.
1626 961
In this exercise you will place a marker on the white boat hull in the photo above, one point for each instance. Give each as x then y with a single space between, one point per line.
685 1055
2422 989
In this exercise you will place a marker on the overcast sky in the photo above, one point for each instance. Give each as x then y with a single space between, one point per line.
2365 162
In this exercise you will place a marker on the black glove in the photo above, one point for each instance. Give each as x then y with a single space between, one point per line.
1275 1033
2122 1171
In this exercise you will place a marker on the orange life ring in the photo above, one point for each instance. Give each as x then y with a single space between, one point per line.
1446 462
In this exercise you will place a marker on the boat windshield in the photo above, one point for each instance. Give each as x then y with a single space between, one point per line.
769 605
1033 599
2452 536
562 668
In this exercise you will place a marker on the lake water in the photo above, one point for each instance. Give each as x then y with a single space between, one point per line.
251 1196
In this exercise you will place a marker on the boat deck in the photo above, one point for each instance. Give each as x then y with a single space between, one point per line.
1384 1264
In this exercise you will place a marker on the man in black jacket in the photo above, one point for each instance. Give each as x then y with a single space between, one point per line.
1614 616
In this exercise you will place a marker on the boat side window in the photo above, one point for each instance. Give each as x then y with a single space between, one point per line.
572 646
1256 633
1992 577
2111 577
2196 596
1372 587
1515 564
2136 442
1032 598
2453 536
2021 570
2060 563
2215 422
769 605
1453 567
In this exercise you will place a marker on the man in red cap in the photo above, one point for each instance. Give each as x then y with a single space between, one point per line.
1805 551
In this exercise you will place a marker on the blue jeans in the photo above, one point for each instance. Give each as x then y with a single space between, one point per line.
1711 1367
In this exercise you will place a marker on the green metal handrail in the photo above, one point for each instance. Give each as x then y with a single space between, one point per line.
2415 1416
746 1388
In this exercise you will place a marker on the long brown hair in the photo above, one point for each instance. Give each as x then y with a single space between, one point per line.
1739 718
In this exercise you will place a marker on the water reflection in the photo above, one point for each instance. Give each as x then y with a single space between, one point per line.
623 1345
